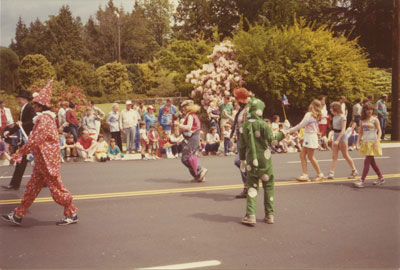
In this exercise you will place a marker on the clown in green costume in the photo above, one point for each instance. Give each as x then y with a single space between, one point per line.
255 158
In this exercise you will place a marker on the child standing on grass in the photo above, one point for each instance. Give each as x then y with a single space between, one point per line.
101 149
370 134
227 139
352 135
113 151
310 140
154 137
144 140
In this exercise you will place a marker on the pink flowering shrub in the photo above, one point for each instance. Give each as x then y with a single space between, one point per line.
218 77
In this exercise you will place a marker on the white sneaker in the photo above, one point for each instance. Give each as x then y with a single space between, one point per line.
303 178
319 177
269 219
331 175
379 181
353 174
359 184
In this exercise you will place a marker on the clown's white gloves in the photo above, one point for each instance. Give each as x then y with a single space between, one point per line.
286 127
243 165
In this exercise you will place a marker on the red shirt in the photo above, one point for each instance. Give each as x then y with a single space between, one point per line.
71 117
85 143
3 119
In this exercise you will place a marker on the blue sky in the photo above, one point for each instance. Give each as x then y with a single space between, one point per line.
29 10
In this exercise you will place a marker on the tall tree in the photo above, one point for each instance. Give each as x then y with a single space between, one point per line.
64 36
370 21
139 42
9 63
158 13
192 17
21 33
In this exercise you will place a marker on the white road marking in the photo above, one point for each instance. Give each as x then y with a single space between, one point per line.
184 265
330 160
9 176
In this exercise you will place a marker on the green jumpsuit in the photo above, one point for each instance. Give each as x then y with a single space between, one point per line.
255 155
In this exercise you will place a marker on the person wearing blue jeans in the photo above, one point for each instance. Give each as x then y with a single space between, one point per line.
381 110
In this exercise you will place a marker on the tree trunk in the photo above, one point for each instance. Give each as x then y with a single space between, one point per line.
396 71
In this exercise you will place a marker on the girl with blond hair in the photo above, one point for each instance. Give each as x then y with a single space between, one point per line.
191 128
340 140
310 140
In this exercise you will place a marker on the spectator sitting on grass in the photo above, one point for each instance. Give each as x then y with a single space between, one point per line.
62 144
14 139
70 147
86 146
4 151
352 134
176 139
213 142
101 149
165 144
113 152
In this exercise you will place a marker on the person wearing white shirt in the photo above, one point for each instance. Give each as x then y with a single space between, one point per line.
113 122
62 112
323 123
343 105
212 142
6 116
128 122
357 108
176 139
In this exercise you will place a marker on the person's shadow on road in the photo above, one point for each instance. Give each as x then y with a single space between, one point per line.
168 180
216 218
367 185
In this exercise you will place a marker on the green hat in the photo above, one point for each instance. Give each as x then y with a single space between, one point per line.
256 108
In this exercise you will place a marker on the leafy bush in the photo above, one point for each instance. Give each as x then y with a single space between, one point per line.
11 102
114 79
303 63
9 63
62 92
33 68
79 73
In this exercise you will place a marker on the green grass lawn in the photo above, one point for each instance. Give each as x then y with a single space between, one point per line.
106 107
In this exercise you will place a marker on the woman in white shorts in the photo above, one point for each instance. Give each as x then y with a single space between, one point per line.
310 140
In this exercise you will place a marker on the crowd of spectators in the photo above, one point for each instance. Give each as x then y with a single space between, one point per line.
156 134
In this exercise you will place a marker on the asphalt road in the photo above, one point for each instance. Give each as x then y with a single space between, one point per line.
136 214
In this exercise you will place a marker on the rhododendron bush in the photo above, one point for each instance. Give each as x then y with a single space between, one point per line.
61 92
218 77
